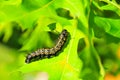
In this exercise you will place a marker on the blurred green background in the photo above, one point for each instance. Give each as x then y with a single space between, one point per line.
91 52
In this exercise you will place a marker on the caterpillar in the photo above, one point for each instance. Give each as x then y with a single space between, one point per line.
48 52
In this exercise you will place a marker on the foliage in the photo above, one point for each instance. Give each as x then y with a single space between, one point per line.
94 34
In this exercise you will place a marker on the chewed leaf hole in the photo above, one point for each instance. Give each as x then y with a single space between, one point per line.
64 13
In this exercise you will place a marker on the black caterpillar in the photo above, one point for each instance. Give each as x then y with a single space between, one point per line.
47 53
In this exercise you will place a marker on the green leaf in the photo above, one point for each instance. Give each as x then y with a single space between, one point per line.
38 16
109 7
67 65
109 25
